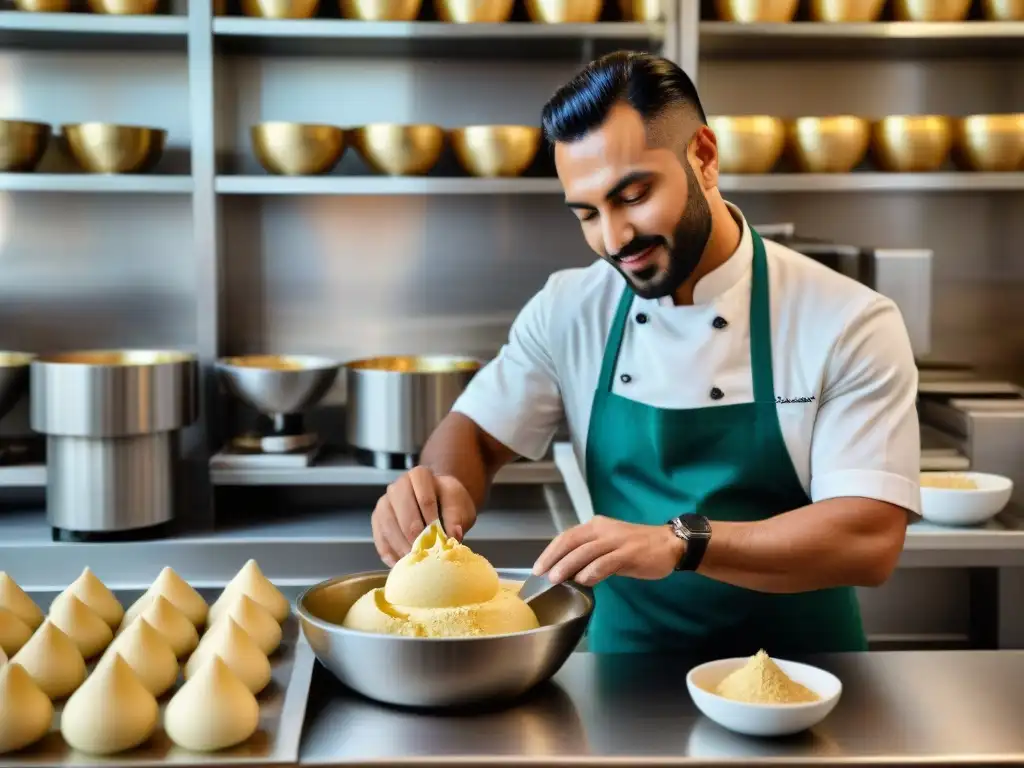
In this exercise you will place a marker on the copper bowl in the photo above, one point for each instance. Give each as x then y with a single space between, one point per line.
911 143
644 11
564 11
834 144
495 150
399 150
107 148
749 143
380 10
22 145
989 143
43 6
124 7
297 149
756 11
1003 10
846 11
280 9
474 11
931 10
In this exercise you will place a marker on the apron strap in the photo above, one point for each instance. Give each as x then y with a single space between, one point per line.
760 325
614 343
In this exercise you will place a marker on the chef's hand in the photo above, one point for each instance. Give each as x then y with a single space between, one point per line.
410 505
602 547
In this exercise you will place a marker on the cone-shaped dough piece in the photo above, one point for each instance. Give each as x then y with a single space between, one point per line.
170 586
234 646
94 593
251 581
25 711
148 654
213 710
14 632
14 599
53 660
177 630
3 657
111 712
255 620
79 622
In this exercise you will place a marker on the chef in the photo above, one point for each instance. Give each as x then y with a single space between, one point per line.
745 416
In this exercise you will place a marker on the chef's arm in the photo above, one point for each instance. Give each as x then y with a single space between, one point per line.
458 447
847 541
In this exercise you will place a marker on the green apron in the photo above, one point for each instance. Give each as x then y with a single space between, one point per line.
648 465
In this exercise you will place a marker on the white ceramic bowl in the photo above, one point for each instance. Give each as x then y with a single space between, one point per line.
956 506
763 719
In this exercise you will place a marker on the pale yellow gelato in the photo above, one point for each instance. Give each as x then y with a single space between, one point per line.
441 589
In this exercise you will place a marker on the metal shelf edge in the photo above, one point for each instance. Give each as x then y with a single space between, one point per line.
874 182
23 476
377 185
87 23
82 182
892 30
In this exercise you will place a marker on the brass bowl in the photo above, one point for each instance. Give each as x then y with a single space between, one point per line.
642 10
846 11
297 149
834 144
931 10
43 6
911 143
107 148
755 11
989 143
495 150
564 11
474 11
22 145
399 150
124 7
380 10
1003 10
281 9
748 144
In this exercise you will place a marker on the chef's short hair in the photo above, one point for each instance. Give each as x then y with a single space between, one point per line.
649 84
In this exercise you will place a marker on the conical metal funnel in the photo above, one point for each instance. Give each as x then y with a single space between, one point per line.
14 374
278 384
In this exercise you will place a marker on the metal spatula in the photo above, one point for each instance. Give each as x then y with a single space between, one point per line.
534 587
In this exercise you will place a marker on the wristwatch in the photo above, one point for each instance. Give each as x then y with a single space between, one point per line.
695 530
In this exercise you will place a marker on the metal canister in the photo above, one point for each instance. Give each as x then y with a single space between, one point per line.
394 403
112 420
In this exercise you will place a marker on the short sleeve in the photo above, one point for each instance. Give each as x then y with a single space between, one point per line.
516 398
867 438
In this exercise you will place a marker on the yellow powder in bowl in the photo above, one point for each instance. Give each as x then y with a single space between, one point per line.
761 681
948 482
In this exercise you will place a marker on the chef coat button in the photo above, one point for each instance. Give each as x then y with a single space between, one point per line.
641 318
719 322
716 393
625 378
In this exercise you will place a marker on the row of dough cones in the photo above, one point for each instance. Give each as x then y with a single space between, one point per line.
222 650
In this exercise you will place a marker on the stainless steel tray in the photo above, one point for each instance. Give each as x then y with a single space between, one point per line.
282 711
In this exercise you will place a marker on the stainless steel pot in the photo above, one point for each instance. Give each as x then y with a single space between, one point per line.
394 403
442 672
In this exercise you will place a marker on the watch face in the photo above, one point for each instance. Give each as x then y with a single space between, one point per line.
697 525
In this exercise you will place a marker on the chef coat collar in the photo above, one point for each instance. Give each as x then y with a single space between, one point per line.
724 277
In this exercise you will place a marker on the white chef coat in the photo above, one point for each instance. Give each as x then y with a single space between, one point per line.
845 376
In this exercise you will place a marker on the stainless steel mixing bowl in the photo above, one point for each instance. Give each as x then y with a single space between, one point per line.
441 672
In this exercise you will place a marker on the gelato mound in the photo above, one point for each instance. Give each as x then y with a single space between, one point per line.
441 589
762 681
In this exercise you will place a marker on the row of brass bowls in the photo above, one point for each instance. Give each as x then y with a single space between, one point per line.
95 147
454 11
299 149
899 143
780 11
109 7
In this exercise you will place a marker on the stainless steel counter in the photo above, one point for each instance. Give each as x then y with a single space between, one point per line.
920 708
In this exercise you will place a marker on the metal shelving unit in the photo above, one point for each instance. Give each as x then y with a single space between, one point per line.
382 185
85 32
83 182
874 182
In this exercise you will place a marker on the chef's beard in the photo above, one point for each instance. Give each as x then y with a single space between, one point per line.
685 248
